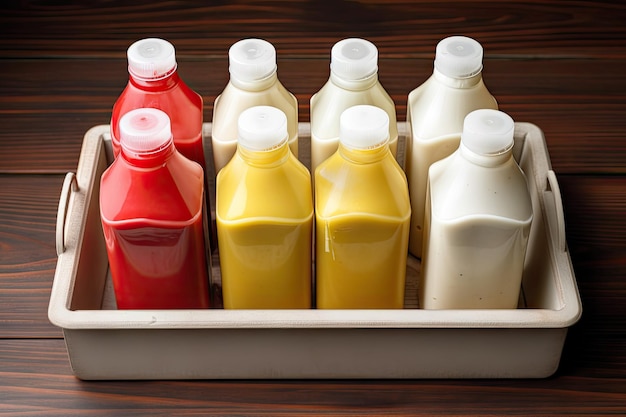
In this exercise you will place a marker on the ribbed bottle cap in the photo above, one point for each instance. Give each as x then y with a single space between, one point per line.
145 130
262 128
488 132
459 57
363 127
354 58
251 59
151 58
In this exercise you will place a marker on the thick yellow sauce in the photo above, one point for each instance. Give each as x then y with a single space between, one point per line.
264 220
362 230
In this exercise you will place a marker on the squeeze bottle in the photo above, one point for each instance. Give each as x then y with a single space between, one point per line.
362 217
151 207
353 81
478 218
435 113
264 218
154 82
253 82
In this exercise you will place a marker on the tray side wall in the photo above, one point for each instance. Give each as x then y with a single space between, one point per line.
315 353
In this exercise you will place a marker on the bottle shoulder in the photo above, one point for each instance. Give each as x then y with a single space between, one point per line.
178 88
327 105
342 188
233 100
333 96
170 191
435 110
276 91
183 105
460 189
432 88
246 191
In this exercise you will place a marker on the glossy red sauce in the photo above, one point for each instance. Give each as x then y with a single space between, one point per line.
152 217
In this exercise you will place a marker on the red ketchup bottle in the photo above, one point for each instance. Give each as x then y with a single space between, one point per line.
154 82
151 207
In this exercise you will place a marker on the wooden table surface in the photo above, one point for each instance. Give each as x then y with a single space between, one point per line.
558 64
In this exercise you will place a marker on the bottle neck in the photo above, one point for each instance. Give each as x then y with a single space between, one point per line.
167 81
354 85
255 85
453 82
488 161
364 156
265 159
152 159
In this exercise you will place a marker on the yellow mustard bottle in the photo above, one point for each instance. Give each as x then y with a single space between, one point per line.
264 214
362 217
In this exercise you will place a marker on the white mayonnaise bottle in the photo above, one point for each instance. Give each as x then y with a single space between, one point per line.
478 218
435 113
353 81
253 82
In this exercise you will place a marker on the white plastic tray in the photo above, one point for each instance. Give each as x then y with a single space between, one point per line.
105 343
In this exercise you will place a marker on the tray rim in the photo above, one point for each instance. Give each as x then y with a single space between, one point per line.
62 316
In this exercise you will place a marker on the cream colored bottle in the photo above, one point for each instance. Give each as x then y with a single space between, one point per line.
253 82
435 113
362 214
478 218
353 81
264 218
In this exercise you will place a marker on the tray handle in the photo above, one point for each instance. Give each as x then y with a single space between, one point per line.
553 187
69 184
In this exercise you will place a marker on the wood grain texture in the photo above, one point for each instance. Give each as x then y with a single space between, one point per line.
27 253
401 28
558 64
577 103
596 233
34 380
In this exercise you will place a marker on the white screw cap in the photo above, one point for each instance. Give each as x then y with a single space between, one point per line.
262 128
354 58
151 58
145 130
251 59
488 132
363 127
459 57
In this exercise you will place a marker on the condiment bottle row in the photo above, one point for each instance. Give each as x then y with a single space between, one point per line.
337 236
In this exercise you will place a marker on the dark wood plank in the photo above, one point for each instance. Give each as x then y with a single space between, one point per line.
594 215
558 64
35 379
28 206
400 27
579 111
